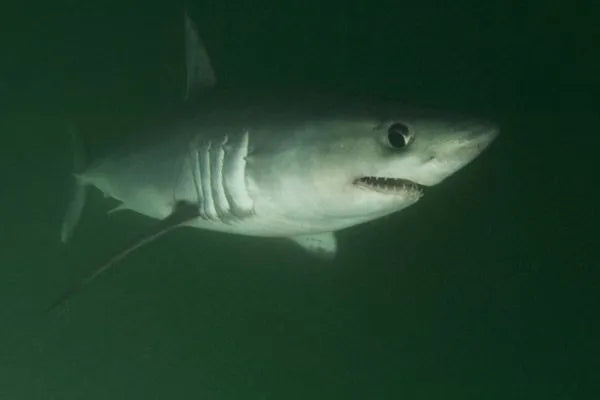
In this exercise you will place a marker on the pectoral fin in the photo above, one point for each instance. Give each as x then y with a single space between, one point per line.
322 245
182 213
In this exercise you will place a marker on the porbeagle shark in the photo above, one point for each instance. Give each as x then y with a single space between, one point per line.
296 167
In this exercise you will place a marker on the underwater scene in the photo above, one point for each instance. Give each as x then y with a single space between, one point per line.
299 200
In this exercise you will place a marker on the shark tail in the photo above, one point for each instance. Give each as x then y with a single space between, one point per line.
79 190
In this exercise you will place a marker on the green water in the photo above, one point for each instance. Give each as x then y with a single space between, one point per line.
486 289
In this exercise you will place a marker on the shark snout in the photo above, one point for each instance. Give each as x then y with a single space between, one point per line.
481 134
464 142
468 140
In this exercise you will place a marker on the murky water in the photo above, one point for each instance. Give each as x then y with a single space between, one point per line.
487 288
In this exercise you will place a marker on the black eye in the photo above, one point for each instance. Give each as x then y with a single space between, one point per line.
399 135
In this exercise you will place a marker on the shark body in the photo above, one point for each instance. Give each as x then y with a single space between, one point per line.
294 167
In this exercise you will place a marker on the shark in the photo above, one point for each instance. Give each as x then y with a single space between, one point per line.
299 167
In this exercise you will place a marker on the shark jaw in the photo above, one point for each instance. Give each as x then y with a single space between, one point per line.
392 186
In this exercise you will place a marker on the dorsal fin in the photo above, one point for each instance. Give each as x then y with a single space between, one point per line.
199 71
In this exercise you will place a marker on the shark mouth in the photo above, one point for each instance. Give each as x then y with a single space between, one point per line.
389 185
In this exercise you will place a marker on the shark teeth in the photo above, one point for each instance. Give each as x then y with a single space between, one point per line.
389 185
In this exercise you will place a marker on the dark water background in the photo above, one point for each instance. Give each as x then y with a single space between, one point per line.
486 289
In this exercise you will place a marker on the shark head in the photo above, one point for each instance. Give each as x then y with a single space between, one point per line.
344 169
322 163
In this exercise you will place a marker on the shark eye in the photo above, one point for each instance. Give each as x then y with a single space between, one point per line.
399 135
